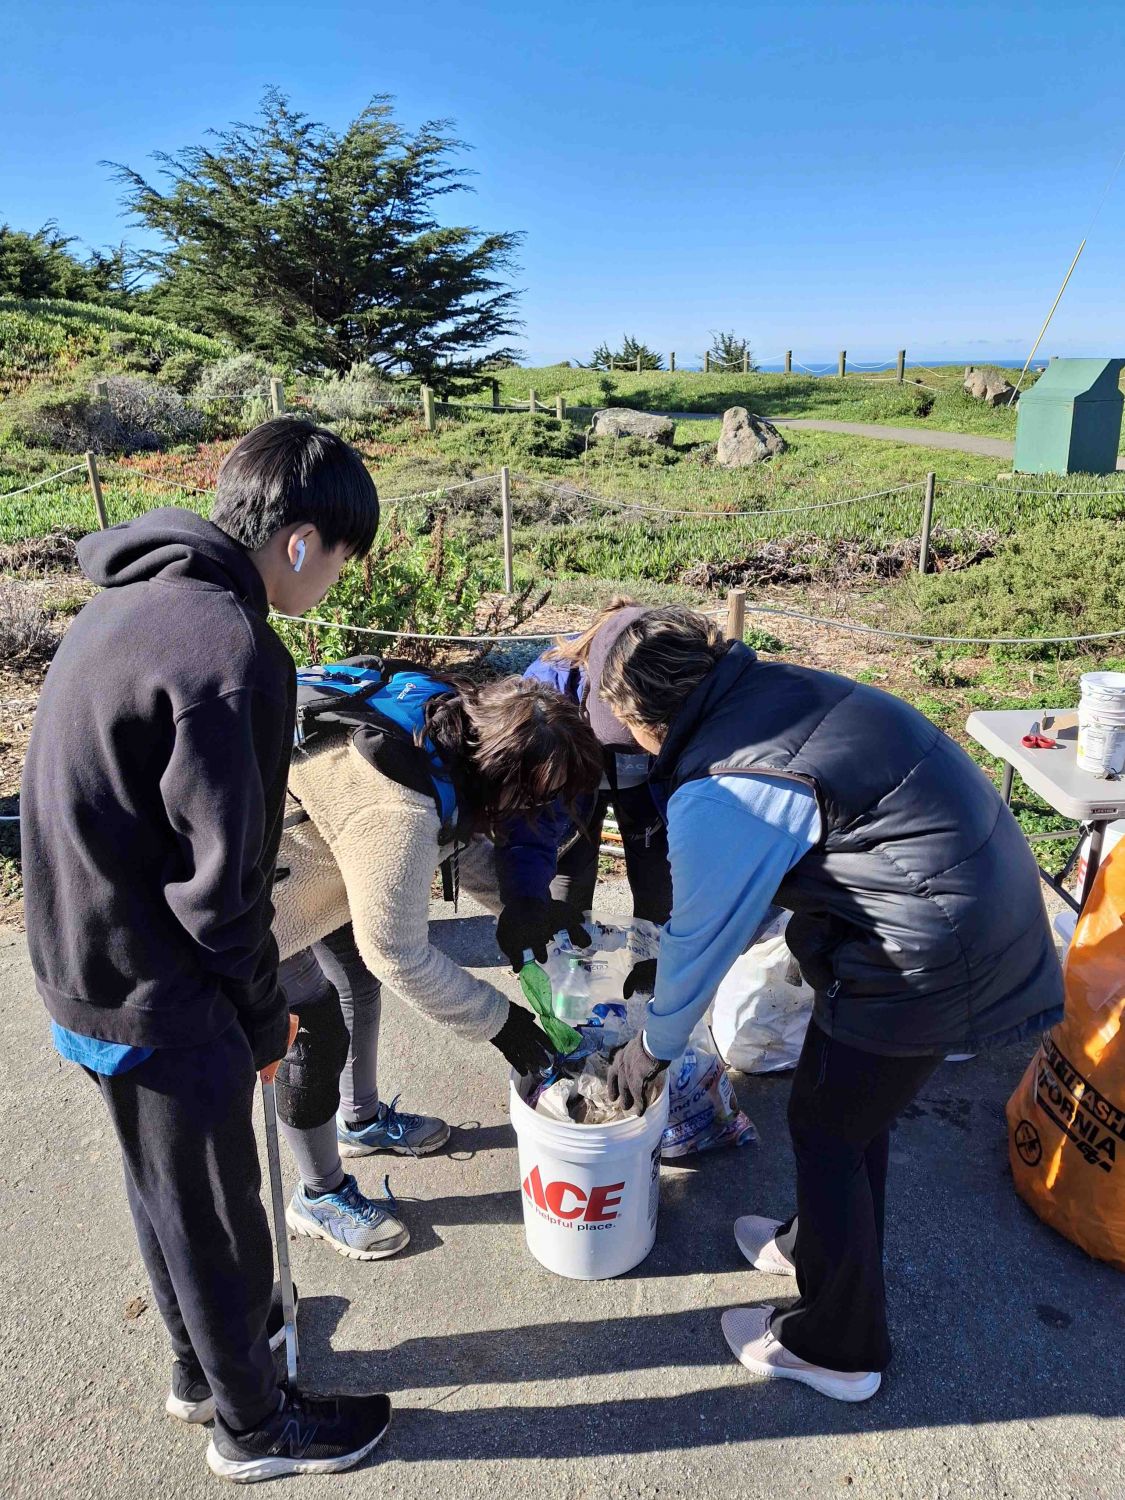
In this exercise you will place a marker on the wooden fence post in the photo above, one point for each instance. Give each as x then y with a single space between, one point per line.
843 365
901 365
672 363
506 527
531 400
428 416
736 614
96 489
496 393
927 522
638 364
788 361
745 363
560 407
277 396
707 364
101 390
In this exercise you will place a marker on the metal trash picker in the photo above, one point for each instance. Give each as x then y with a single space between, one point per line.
281 1234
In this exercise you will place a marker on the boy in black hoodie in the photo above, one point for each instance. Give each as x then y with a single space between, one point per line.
151 810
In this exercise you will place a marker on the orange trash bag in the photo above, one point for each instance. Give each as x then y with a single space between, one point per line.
1066 1119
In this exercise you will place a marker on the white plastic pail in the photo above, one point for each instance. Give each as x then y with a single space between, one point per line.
1101 723
591 1193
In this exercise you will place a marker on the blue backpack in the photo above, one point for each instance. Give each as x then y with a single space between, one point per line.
382 706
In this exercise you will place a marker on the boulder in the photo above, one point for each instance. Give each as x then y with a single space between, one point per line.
747 439
619 421
988 386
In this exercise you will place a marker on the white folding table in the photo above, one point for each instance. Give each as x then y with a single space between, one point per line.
1054 774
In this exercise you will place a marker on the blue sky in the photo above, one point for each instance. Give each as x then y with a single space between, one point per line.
813 175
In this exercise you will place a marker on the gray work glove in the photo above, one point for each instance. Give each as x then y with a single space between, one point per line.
632 1074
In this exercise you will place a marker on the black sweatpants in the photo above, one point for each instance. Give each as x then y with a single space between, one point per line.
183 1118
645 840
842 1106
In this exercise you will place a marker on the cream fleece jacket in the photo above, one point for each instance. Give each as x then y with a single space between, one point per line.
368 854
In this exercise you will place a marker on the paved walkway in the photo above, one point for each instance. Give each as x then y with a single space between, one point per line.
960 442
919 437
1006 1382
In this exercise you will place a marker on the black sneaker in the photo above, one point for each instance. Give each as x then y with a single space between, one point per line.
306 1435
190 1398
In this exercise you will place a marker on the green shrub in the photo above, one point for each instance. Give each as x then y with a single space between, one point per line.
410 581
1049 579
182 371
511 438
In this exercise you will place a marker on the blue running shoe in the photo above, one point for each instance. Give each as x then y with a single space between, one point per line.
349 1222
405 1135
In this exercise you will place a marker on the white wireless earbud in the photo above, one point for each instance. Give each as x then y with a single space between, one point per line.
300 557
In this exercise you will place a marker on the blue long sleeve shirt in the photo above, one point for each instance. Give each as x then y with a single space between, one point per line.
731 842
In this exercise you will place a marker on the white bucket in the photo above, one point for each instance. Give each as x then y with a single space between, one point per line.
591 1193
1101 723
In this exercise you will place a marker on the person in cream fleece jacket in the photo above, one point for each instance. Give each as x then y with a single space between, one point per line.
356 867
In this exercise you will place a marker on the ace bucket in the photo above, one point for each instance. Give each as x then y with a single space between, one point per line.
590 1193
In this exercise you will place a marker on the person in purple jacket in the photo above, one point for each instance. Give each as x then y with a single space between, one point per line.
547 869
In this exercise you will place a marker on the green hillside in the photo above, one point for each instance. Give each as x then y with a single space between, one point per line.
39 339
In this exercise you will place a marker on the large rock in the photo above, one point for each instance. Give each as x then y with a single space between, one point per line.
619 421
747 439
988 386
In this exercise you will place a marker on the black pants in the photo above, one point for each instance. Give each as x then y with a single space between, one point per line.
183 1118
840 1113
645 839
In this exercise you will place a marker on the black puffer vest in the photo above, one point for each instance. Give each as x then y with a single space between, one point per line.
918 918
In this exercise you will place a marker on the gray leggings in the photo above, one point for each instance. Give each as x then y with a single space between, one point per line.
336 959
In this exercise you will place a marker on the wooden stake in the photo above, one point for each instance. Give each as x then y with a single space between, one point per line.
843 365
560 407
927 522
96 489
736 614
707 364
901 365
745 363
496 393
788 361
638 364
428 415
531 400
672 363
101 390
277 396
506 525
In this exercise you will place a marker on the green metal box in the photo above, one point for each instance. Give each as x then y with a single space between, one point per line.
1069 422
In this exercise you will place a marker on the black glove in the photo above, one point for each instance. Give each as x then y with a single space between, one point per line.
631 1073
527 1049
528 925
641 979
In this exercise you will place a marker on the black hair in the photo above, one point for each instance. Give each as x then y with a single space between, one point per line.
287 471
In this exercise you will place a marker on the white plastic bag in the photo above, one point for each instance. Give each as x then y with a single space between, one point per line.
703 1112
763 1006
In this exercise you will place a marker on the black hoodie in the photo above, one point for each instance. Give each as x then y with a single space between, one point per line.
153 794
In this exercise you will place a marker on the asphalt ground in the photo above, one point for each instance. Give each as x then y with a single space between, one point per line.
1008 1379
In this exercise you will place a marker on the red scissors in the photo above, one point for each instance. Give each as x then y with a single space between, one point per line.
1034 739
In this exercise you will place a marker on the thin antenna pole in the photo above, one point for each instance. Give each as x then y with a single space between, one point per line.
1047 320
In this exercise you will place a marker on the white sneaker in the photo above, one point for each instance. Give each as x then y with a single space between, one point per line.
757 1239
746 1330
